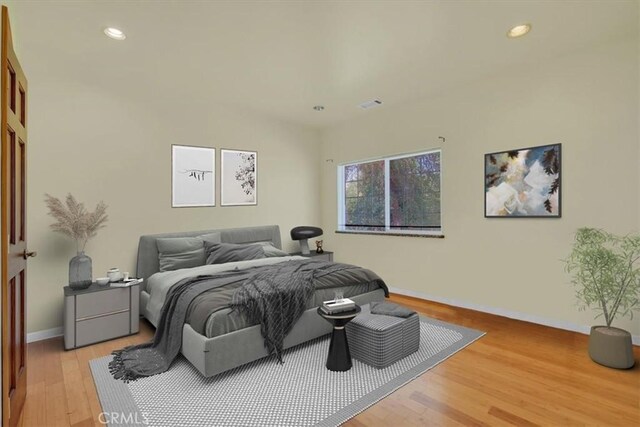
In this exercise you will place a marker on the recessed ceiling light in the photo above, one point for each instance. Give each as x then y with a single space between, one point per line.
519 31
114 33
318 107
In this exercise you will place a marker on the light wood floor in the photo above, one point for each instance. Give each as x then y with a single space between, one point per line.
518 374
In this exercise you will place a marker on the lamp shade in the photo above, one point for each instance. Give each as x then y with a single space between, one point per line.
305 232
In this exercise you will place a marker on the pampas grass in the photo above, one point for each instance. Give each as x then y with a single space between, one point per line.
73 219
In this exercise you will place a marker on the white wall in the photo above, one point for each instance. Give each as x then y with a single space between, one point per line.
587 101
101 143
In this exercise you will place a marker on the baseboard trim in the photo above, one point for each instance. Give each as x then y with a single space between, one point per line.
559 324
45 334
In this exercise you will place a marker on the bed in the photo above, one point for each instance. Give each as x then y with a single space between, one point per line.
221 344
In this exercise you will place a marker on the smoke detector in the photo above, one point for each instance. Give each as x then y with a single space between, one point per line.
370 104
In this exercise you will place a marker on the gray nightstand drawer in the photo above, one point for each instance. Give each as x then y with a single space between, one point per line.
96 303
102 328
100 313
323 257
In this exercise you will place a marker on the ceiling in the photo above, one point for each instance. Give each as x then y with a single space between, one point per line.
282 58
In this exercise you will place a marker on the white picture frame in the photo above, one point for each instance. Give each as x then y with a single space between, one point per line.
193 176
238 177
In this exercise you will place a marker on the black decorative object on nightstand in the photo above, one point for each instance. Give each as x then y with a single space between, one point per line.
303 234
339 358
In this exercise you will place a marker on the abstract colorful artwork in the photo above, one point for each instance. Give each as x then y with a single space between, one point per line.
523 183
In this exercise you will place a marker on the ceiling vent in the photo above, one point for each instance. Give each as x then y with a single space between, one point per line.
371 104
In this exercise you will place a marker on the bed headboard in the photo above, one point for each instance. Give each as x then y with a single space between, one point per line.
148 250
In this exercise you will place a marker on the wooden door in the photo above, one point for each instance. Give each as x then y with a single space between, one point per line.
13 226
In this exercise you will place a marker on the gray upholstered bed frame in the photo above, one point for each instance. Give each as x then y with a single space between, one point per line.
212 356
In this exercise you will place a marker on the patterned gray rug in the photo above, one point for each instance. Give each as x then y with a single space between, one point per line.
302 392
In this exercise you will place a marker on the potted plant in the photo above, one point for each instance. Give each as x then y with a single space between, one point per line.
605 270
75 221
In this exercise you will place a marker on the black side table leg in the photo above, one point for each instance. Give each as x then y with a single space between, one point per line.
339 358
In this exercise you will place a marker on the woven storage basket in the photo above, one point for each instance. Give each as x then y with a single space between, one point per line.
380 341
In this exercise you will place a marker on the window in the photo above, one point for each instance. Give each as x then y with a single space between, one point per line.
398 194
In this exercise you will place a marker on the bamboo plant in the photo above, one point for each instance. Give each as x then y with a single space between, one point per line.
605 270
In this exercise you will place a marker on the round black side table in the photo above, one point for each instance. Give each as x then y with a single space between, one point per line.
339 358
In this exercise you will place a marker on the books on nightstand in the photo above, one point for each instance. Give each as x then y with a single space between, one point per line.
126 283
337 306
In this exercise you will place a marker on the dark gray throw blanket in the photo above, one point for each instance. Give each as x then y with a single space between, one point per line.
155 357
276 298
390 309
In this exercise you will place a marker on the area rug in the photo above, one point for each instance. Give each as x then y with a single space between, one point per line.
301 392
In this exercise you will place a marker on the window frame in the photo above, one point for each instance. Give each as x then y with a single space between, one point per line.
341 227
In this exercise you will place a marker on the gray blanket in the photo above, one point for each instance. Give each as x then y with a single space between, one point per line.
214 307
390 309
154 357
277 296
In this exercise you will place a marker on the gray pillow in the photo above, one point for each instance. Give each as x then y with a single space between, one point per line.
271 251
211 237
220 253
175 253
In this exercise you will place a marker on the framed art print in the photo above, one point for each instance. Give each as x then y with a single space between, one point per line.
523 183
238 178
193 178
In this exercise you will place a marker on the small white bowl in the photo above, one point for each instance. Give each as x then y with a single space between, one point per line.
102 281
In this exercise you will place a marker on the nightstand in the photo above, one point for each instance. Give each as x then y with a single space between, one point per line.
100 313
325 256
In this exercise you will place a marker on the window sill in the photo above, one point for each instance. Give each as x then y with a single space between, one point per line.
432 235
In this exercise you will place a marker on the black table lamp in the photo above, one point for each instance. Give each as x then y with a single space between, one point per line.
303 234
